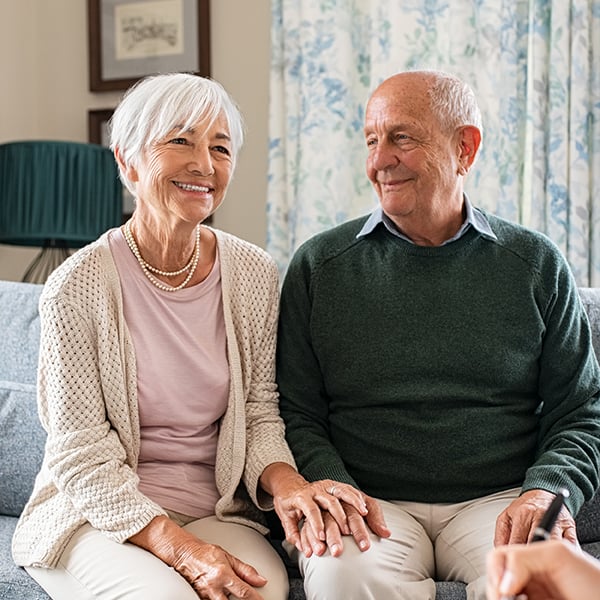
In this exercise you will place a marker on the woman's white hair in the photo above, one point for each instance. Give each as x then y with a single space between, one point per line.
159 104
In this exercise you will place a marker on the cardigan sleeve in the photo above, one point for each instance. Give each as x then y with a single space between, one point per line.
83 407
266 435
250 285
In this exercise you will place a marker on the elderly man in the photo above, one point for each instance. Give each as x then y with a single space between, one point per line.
436 357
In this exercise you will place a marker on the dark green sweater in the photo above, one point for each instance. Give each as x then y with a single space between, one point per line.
438 374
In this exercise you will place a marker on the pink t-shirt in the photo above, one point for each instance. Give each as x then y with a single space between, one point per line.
183 383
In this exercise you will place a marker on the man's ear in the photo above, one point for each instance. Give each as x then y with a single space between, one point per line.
469 139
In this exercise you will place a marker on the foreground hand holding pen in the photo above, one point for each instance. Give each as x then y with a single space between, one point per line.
550 570
542 532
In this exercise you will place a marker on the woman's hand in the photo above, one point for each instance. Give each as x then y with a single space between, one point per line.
209 569
551 570
329 509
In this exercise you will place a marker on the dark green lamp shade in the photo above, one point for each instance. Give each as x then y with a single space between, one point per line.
67 192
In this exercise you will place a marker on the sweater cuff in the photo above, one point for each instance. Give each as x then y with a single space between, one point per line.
552 482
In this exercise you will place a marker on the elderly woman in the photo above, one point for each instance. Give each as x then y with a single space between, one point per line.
156 383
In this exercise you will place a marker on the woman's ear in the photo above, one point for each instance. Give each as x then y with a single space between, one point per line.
129 171
469 141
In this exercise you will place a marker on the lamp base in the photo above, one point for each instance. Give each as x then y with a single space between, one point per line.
52 254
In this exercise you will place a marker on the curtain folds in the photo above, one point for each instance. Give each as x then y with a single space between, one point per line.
532 63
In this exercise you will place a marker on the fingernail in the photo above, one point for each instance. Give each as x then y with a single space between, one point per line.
335 549
363 545
505 582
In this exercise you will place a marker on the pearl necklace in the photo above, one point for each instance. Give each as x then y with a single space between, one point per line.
148 269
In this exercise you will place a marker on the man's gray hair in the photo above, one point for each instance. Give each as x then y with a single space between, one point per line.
454 103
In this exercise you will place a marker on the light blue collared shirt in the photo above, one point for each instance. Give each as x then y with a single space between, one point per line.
474 218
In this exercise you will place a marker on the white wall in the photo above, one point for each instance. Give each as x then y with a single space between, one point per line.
44 94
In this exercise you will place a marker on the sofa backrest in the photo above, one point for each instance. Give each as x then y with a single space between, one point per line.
588 518
21 435
591 302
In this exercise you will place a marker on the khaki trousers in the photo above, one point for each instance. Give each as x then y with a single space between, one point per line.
94 567
444 542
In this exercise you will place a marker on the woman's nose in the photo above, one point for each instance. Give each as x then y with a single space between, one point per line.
201 162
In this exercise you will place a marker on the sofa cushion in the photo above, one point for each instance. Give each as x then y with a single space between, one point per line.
588 521
21 445
22 439
15 583
20 327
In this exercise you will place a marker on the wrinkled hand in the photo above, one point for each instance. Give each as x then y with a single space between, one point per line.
552 570
214 573
517 523
358 525
209 569
297 500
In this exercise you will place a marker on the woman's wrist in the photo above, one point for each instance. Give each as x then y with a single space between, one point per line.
279 476
160 538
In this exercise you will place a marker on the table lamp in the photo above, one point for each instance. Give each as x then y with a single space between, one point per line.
57 195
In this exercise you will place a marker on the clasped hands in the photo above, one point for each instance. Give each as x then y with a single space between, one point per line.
315 516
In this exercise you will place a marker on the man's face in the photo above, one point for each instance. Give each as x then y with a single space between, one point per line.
412 163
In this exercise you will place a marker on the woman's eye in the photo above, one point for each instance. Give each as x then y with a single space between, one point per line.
179 140
222 150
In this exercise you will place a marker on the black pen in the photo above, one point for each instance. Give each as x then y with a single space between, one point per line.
544 529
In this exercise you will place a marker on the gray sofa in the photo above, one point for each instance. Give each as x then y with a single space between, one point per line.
22 438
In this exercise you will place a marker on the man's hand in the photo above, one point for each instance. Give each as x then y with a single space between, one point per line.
516 524
359 526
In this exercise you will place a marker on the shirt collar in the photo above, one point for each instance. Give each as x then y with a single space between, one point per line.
474 218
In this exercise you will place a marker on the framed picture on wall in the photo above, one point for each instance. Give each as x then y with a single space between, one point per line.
129 39
98 133
98 126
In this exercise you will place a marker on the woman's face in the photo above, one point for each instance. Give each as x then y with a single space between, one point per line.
185 175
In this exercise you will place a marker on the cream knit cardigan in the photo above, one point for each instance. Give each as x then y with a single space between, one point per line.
87 399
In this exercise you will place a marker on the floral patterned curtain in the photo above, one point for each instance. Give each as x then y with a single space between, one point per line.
534 65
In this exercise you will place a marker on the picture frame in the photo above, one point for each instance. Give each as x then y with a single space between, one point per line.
98 126
98 133
130 39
